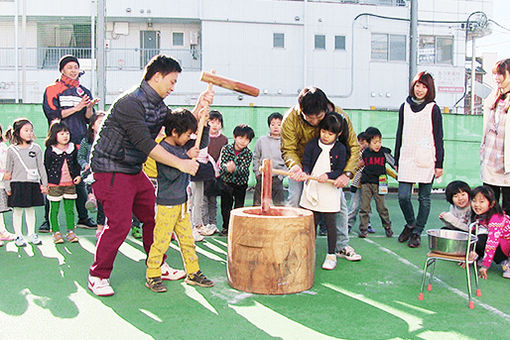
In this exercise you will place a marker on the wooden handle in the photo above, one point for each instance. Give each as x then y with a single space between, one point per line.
288 173
230 84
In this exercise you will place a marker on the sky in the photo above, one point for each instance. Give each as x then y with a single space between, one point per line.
499 40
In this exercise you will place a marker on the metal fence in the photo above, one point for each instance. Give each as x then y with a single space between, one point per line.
116 58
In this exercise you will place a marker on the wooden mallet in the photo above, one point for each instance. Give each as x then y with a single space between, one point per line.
267 172
230 84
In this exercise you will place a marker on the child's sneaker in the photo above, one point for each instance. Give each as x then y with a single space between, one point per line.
34 239
6 236
329 262
224 232
171 274
349 254
1 243
198 279
71 237
208 230
506 268
389 232
91 204
58 238
363 234
370 229
99 286
155 284
20 242
405 234
196 235
136 231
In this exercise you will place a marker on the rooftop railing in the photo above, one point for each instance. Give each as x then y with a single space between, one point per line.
116 58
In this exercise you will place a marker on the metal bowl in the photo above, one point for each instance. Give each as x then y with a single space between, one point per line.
449 242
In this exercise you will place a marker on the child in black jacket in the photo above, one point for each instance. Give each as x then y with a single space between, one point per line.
372 178
60 160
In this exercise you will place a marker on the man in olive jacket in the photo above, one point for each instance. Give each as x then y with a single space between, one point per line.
299 126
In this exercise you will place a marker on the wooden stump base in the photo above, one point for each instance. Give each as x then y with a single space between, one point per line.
271 254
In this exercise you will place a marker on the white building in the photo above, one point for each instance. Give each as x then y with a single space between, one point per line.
345 47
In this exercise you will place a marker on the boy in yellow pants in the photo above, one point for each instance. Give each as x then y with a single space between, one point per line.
172 215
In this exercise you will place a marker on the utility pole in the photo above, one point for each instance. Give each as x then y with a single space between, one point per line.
101 65
413 40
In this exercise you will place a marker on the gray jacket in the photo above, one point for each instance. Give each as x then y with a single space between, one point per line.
267 147
127 134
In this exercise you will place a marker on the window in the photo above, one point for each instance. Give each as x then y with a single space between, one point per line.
379 47
388 47
178 39
435 49
397 47
320 42
339 42
278 40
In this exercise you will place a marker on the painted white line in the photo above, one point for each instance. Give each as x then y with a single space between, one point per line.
433 335
220 242
49 250
38 319
28 249
210 255
195 295
87 245
214 247
11 247
413 322
275 324
422 310
452 289
68 251
150 315
131 252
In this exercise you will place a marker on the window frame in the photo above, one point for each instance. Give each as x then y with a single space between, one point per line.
275 39
173 39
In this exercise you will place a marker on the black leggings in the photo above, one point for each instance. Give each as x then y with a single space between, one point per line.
330 221
506 196
499 256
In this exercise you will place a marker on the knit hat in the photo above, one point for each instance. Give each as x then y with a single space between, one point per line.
67 59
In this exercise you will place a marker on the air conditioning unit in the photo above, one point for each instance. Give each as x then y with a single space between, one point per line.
121 28
193 38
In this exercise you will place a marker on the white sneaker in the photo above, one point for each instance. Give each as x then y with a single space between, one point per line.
208 230
170 274
99 286
329 262
7 236
506 268
196 235
20 242
34 239
349 254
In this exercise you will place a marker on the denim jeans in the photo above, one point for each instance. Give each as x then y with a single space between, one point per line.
404 199
354 206
295 190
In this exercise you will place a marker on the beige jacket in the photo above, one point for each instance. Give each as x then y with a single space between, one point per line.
488 103
296 132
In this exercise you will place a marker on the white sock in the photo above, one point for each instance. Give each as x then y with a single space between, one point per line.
17 214
30 220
